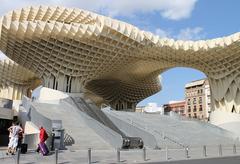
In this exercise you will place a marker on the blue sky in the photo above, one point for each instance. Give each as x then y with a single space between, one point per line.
215 19
178 19
173 82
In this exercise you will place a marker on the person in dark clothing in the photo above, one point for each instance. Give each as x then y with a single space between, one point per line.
20 137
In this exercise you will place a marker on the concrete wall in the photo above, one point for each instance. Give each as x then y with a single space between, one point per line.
16 104
47 95
31 120
6 103
6 113
226 120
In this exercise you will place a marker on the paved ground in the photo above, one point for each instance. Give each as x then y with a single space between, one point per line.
223 160
175 156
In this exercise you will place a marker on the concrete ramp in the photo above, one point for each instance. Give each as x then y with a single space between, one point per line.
78 135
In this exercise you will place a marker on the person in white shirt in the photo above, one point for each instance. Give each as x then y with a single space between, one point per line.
13 142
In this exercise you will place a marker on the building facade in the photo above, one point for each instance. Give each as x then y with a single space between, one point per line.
198 101
150 108
140 109
175 106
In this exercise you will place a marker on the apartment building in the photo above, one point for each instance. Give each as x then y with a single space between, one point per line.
175 106
198 99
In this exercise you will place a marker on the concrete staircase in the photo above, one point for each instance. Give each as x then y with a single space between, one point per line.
78 135
173 132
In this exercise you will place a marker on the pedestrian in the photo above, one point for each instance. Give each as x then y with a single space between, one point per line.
43 136
14 136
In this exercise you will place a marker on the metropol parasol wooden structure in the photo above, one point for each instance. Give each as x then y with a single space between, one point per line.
74 50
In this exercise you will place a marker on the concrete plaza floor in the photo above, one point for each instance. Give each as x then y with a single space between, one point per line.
132 156
222 160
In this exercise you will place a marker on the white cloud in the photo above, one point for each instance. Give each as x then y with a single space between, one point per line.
170 9
195 33
191 34
162 33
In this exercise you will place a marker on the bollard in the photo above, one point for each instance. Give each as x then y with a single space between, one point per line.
18 155
144 154
204 151
52 141
118 155
187 152
220 150
234 149
56 156
167 153
62 146
89 156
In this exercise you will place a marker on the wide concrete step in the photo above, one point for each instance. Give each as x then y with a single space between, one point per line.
168 130
78 135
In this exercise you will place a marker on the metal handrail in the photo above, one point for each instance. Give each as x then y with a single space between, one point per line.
136 127
100 129
170 139
160 133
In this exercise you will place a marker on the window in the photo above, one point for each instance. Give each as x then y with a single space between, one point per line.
195 115
189 115
194 100
200 91
189 108
200 107
200 100
189 101
194 108
208 99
